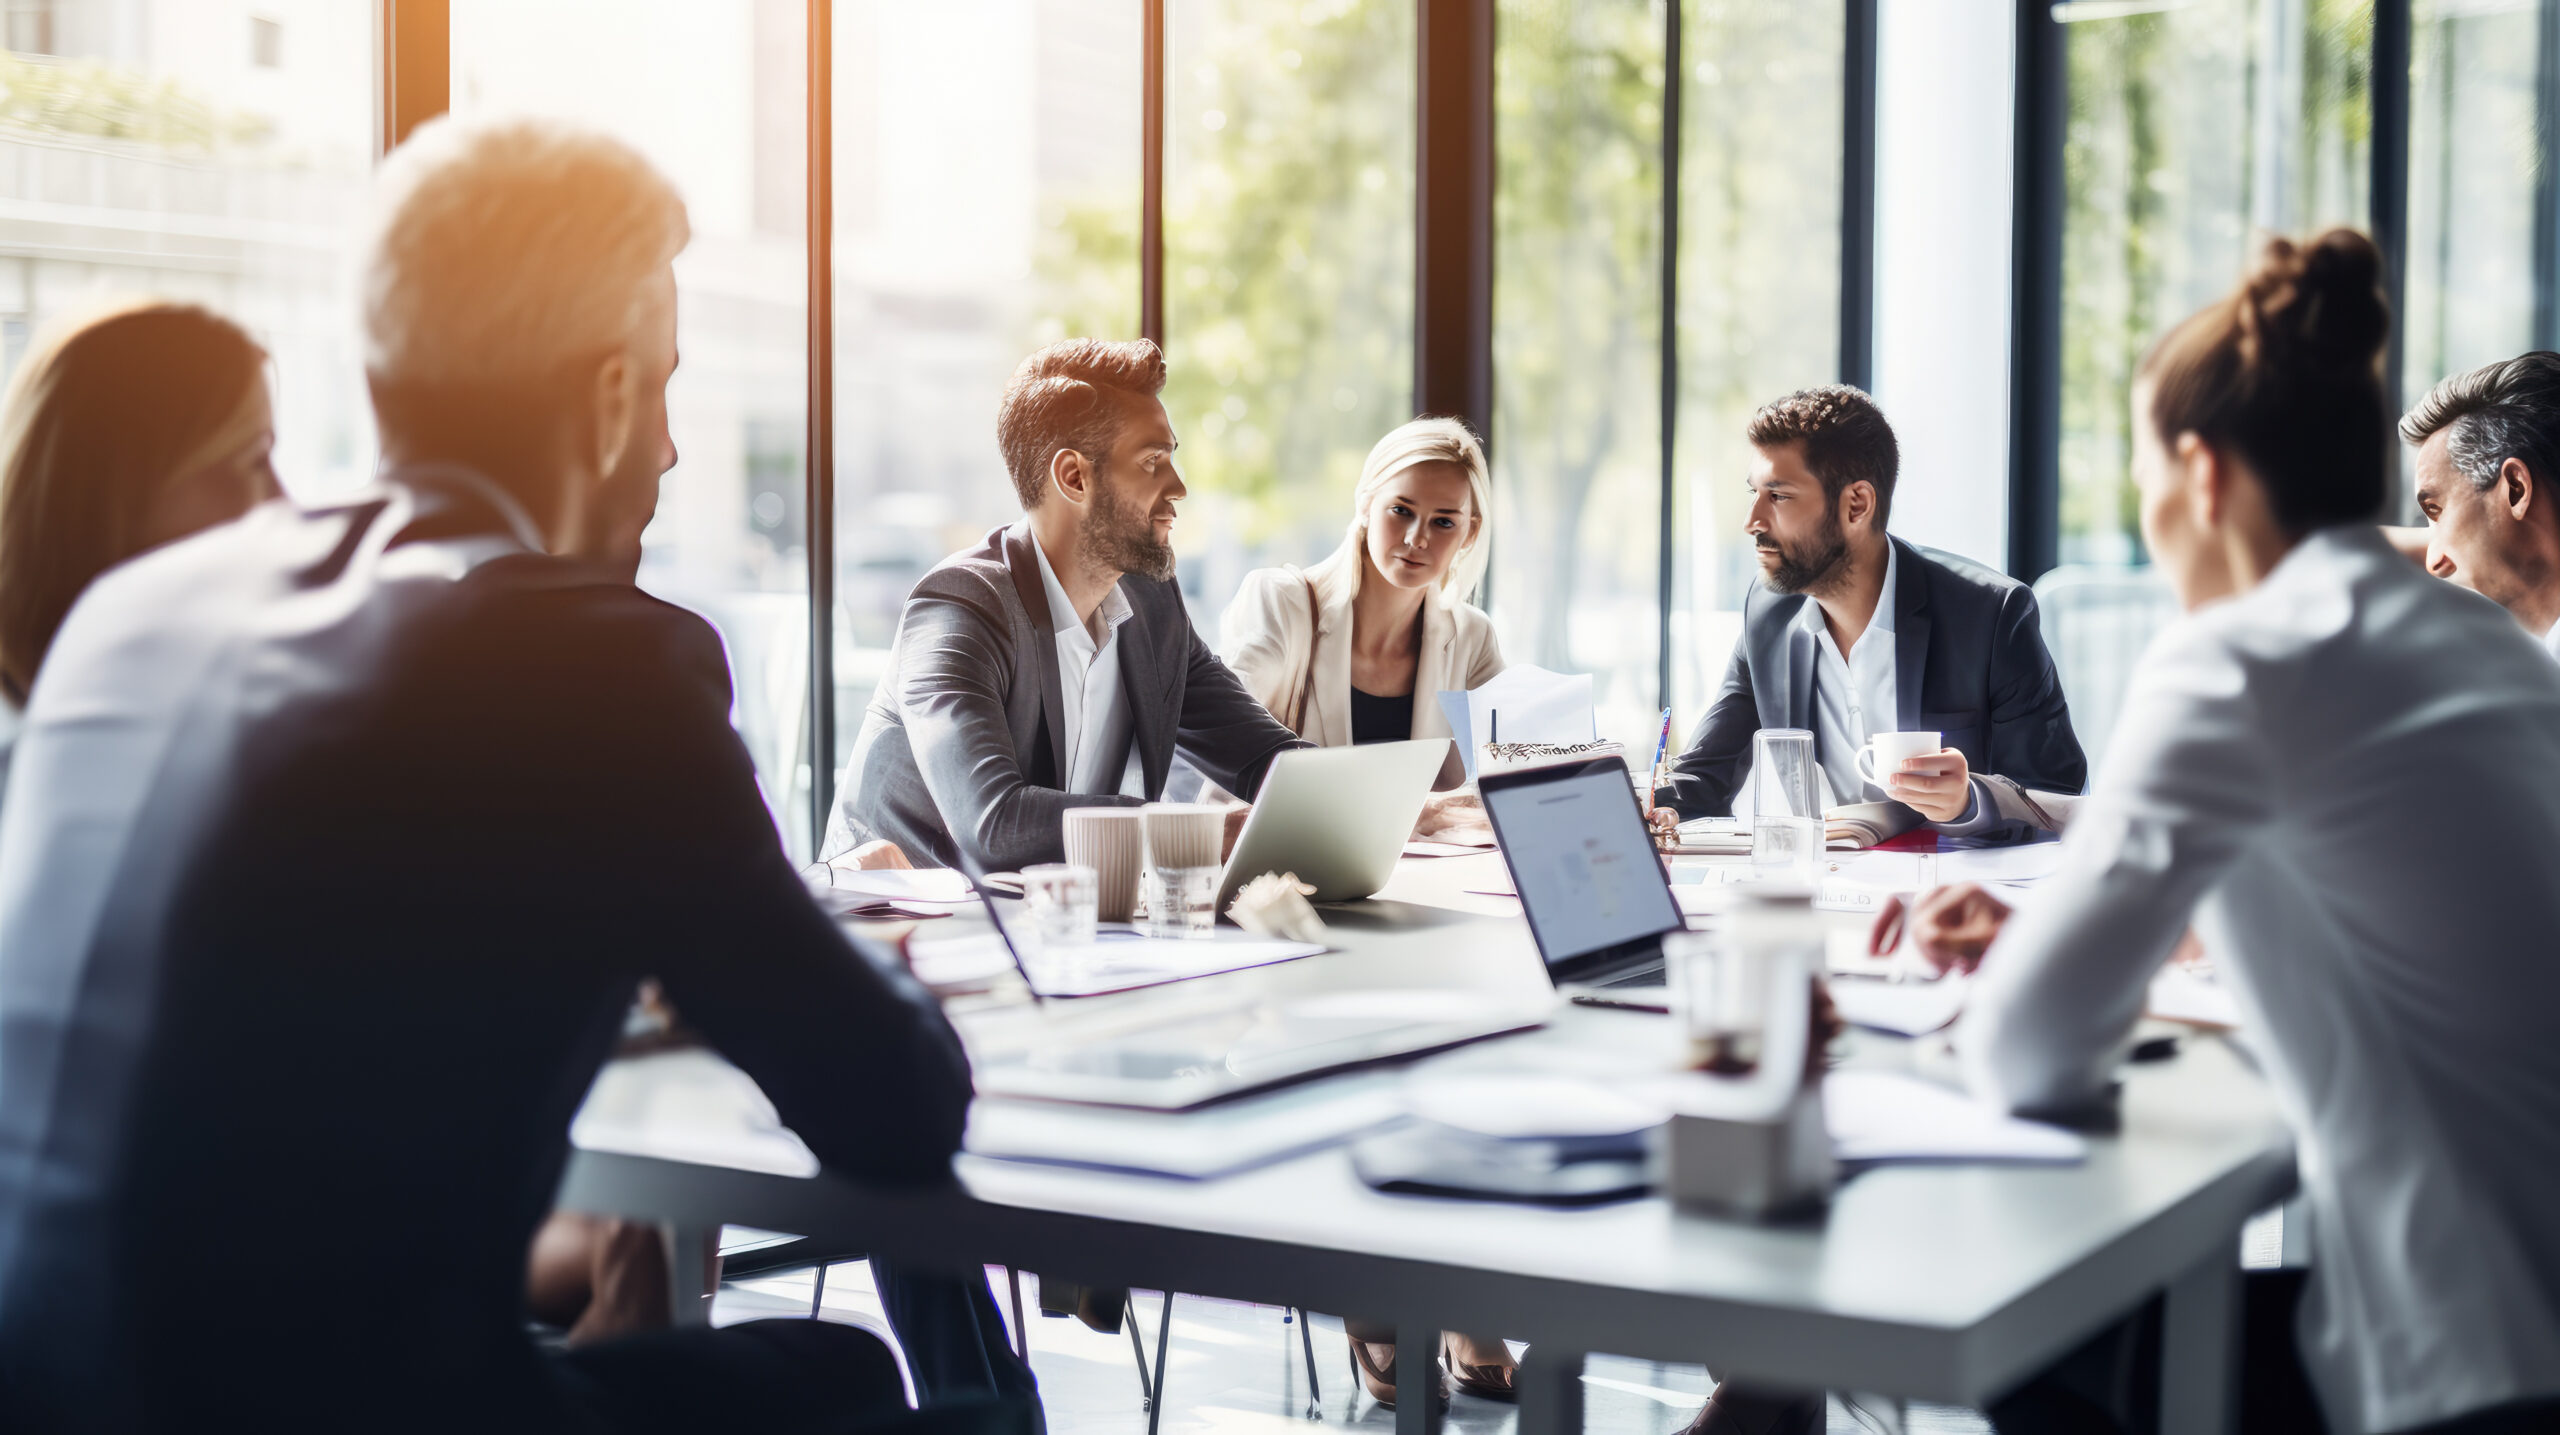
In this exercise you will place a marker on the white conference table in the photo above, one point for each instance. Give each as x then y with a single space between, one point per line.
1946 1283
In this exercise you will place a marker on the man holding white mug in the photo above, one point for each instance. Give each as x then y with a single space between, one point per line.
1922 676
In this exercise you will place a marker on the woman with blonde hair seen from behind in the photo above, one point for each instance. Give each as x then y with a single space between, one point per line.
1357 648
124 429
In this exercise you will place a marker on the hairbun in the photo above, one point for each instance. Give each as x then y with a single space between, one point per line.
2319 306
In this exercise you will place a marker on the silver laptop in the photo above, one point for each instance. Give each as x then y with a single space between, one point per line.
1336 816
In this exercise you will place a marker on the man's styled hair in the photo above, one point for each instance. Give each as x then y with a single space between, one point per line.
1069 395
2510 409
502 253
1845 440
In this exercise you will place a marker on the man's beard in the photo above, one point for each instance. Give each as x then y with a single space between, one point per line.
1123 541
1805 569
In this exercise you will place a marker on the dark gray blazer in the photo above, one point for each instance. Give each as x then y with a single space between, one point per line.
1969 662
963 748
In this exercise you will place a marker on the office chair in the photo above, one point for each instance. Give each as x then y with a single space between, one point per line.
1151 1392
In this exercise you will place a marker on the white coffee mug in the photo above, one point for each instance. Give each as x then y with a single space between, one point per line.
1886 752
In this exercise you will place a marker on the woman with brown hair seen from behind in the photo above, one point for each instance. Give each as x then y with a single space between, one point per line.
123 430
2347 776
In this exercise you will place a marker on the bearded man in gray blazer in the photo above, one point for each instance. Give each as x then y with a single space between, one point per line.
1852 632
1053 665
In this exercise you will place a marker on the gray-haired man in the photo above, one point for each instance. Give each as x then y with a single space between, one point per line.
2488 481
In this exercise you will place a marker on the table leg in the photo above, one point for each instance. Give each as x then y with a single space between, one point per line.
2199 1349
689 1253
1551 1391
1417 1379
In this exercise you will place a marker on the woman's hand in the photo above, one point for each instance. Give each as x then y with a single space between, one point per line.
1447 811
1949 927
1938 784
1665 823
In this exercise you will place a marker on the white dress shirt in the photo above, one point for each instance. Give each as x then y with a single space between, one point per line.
2551 640
1100 757
2349 779
1853 696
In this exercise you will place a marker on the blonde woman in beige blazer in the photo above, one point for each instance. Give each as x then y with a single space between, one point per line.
1358 649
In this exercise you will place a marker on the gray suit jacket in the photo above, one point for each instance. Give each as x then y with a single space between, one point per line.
1969 662
963 749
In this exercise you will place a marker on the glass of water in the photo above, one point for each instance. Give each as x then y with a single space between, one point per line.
1062 898
1787 830
1183 843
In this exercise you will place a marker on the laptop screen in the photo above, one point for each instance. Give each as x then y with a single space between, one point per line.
1579 854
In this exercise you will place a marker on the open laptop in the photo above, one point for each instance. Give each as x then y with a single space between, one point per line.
1584 864
1336 816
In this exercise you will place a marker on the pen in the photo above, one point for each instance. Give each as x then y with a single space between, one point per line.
1662 745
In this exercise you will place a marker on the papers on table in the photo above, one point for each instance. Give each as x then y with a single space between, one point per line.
1212 1141
2025 862
1883 1116
1521 704
1441 847
2183 994
1901 1008
1119 960
687 1106
889 893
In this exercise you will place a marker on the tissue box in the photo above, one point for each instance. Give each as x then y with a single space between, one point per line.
1736 1165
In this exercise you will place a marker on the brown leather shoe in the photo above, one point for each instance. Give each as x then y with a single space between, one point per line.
1494 1379
1732 1411
1377 1364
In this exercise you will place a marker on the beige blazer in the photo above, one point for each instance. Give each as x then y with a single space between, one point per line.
1296 657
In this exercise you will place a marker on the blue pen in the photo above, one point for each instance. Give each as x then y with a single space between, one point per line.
1662 745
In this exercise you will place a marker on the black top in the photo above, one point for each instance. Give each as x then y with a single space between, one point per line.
443 802
1377 719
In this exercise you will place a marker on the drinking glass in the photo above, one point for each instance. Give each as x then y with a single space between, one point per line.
1720 994
1182 867
1787 831
1062 898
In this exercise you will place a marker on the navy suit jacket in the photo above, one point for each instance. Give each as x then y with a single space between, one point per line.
335 846
1969 662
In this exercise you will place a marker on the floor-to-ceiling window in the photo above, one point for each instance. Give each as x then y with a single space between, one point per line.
1288 271
1758 285
2475 173
206 150
1577 310
986 203
712 92
2192 128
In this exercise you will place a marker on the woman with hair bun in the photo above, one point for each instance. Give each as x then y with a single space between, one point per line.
2346 775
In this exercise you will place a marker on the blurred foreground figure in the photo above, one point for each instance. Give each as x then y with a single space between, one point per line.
336 846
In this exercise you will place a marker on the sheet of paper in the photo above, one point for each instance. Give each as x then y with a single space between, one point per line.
1524 704
2182 994
1883 1116
1427 847
1901 1008
1228 1137
2025 862
1119 960
930 884
1453 706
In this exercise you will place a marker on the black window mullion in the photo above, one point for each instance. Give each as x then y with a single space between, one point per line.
1151 178
1858 196
1666 589
2035 293
2390 181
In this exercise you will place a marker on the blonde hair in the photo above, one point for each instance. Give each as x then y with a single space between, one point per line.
500 252
105 411
1430 440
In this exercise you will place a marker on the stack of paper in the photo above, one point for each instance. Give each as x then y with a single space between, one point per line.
1522 704
1211 1141
1118 960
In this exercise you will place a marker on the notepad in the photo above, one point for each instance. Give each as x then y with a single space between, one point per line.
1119 960
1880 1117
